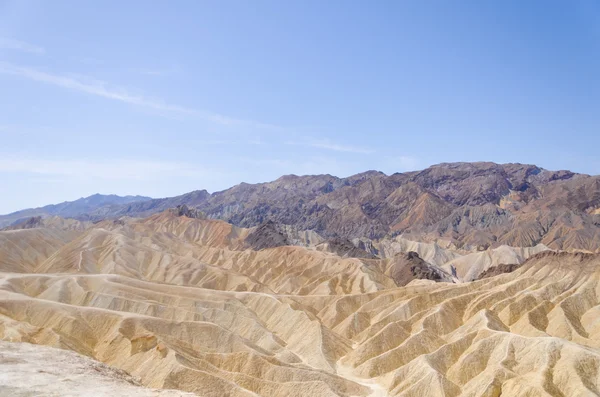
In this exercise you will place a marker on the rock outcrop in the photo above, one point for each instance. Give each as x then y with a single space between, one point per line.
267 235
344 248
497 270
409 267
184 210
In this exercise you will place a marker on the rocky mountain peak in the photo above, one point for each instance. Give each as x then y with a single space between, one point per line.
184 210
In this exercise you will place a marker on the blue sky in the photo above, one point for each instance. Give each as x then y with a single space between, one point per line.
161 98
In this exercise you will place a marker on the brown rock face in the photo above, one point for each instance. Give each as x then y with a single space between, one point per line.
408 267
345 249
33 222
497 270
184 210
267 235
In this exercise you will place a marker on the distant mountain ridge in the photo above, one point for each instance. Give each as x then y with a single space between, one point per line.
70 209
459 204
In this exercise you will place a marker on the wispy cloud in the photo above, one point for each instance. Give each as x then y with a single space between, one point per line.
11 44
103 89
110 169
329 145
93 87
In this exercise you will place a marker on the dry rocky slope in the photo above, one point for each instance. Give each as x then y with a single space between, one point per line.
470 205
200 305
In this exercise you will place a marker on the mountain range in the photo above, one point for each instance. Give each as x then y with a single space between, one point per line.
70 209
461 205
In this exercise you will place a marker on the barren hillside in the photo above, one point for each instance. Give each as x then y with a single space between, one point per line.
187 303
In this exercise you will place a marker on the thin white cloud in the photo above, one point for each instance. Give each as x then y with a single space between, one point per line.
102 89
336 147
114 169
11 44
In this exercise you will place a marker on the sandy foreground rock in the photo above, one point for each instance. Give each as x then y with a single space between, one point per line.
28 370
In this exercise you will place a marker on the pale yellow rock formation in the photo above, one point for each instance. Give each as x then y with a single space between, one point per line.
469 266
183 304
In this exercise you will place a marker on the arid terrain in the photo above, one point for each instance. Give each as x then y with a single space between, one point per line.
460 280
